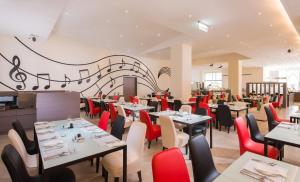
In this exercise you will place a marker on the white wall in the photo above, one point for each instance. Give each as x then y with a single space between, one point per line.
68 51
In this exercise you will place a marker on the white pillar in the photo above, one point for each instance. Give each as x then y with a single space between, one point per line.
235 77
181 68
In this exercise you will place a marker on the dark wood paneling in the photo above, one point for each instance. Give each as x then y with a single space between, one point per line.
129 87
57 105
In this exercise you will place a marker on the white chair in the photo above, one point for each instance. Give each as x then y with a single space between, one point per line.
128 119
183 108
113 163
186 108
144 102
171 138
121 100
29 160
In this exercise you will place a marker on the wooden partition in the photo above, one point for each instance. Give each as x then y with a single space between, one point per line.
271 88
57 105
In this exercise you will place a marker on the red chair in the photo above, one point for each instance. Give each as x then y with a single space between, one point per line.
275 116
208 111
193 99
153 130
278 104
205 99
158 96
93 110
169 165
104 120
115 97
247 144
238 98
164 104
113 112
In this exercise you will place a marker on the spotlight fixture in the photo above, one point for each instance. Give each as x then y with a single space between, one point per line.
211 65
221 66
33 37
202 26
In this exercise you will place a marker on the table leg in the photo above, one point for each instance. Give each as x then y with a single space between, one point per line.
210 134
190 137
266 147
125 164
237 114
133 115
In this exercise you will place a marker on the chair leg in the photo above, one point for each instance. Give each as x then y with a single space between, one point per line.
149 143
140 175
164 148
116 179
105 174
186 149
92 162
228 129
97 164
156 139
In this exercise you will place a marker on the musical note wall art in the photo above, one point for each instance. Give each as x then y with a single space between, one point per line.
122 64
38 77
82 72
105 77
136 67
67 80
16 75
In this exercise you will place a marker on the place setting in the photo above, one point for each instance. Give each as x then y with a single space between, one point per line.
264 171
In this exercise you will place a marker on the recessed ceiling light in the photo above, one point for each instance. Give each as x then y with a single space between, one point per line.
190 16
121 36
67 13
136 26
158 34
271 25
259 13
228 35
141 43
107 21
126 11
202 26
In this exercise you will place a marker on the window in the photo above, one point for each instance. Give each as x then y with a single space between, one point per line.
213 80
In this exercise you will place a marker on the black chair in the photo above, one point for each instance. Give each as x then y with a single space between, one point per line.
258 137
220 102
117 129
233 98
204 169
153 104
199 128
18 171
86 107
254 130
223 117
29 145
177 105
271 122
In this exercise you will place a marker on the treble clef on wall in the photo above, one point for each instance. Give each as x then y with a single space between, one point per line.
16 75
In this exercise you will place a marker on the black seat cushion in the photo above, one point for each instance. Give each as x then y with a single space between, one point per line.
18 171
204 169
29 145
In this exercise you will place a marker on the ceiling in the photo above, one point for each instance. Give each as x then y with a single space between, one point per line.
259 30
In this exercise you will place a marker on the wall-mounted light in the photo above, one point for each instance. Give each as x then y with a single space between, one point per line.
202 26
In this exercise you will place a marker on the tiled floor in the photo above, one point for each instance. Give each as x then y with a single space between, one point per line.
225 151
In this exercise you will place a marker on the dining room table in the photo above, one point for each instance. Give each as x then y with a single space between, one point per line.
190 120
66 142
251 167
134 108
284 133
234 107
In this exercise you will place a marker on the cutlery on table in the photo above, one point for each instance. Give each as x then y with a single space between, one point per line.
264 162
258 176
57 155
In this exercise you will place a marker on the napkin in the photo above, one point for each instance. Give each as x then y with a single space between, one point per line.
41 122
53 143
116 144
44 131
272 173
285 125
52 154
43 126
48 136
